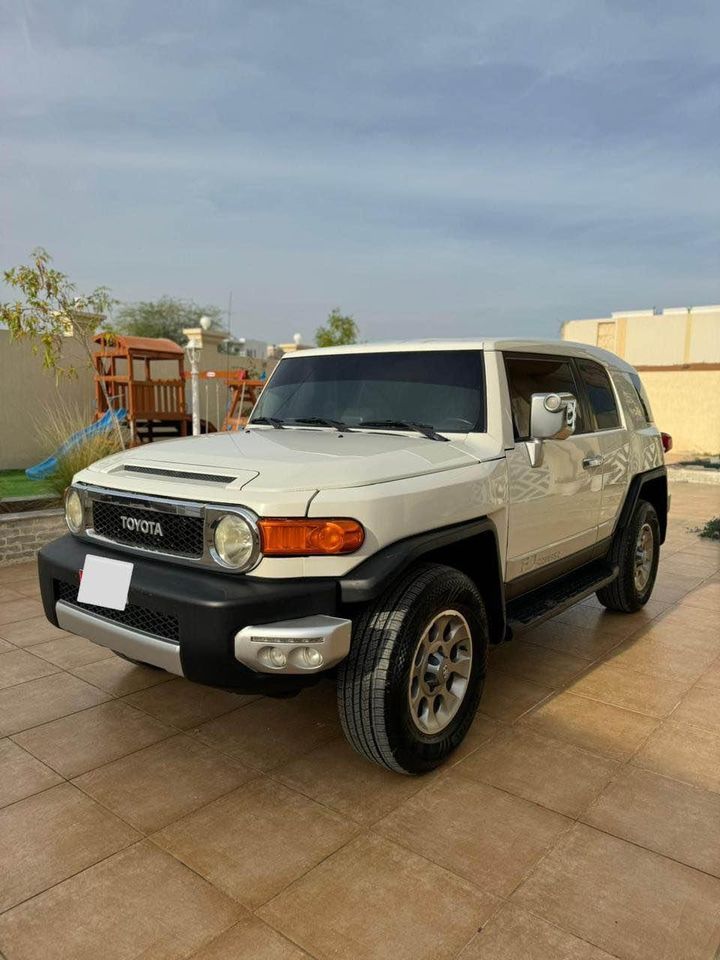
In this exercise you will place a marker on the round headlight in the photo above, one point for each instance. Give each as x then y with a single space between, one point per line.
73 511
234 541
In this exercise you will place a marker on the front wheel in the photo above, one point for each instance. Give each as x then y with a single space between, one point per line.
637 554
411 684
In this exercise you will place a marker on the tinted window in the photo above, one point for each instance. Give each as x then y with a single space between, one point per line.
442 388
632 399
600 394
529 375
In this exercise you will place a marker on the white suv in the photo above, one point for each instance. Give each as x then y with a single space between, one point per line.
389 511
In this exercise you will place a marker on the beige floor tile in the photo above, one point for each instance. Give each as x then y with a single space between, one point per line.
163 782
13 610
39 701
6 646
569 638
70 651
18 571
118 677
480 833
270 732
537 664
335 775
21 775
633 903
482 729
26 633
602 621
684 752
48 837
594 726
711 677
7 594
28 587
621 686
514 934
683 622
251 939
507 697
705 597
140 903
78 743
667 816
256 840
18 666
552 773
384 903
184 704
669 655
701 707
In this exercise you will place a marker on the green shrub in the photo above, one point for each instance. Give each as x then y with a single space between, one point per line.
711 530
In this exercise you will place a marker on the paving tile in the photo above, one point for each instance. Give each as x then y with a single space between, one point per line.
537 664
48 837
552 773
13 610
507 697
667 816
384 902
70 651
72 745
163 782
17 666
139 903
251 939
270 732
482 834
684 752
482 729
705 597
626 900
595 726
18 571
701 707
184 704
119 677
671 655
6 646
26 633
7 594
623 687
28 587
21 775
256 840
514 934
569 638
336 776
45 699
602 621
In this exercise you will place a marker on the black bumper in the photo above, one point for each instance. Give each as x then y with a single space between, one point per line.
202 611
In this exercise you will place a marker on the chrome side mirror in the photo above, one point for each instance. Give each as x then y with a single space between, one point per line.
552 417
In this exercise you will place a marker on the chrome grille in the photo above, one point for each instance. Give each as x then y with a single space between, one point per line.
181 535
157 624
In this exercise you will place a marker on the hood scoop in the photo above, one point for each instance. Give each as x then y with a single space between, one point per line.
179 474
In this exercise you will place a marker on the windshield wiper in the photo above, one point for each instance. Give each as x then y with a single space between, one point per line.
323 422
274 422
424 428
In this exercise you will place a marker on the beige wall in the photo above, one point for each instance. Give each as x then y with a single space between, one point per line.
686 404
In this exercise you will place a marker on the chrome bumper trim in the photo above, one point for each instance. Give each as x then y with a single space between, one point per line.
329 635
138 646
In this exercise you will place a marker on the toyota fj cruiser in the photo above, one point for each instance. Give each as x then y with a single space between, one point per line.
388 512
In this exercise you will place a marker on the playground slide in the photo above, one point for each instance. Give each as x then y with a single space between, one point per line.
48 467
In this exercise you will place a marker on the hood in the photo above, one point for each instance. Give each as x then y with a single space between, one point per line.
298 459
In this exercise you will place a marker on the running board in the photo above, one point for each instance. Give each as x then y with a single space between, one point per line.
547 601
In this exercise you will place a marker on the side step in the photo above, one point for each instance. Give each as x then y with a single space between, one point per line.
554 597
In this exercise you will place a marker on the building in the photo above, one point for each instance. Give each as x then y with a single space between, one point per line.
677 353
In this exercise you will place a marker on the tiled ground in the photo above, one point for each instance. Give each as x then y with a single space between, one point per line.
143 817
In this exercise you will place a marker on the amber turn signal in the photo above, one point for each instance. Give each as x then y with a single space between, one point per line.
309 538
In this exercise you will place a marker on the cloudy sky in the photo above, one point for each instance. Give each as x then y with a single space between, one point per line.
436 168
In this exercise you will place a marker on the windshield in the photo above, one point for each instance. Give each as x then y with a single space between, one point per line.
441 388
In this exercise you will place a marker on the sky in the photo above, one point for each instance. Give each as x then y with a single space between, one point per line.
434 168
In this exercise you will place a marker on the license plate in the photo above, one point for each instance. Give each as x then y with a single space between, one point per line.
105 583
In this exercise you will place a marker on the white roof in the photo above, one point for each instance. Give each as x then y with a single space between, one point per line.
520 344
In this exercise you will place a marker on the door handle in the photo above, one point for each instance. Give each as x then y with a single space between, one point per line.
590 462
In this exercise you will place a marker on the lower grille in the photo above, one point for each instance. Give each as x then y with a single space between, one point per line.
161 625
151 530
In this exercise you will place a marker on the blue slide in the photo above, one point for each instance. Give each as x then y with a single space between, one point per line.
49 466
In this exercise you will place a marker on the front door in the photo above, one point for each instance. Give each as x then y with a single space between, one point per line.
554 508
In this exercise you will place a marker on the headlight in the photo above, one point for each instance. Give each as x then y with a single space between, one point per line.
234 541
73 511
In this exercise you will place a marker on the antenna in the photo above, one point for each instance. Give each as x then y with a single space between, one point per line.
229 315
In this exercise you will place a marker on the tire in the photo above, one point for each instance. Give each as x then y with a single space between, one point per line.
138 663
391 662
628 592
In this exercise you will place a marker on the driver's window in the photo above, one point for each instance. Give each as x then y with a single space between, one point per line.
529 375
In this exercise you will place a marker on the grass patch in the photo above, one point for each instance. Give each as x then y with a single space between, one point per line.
14 483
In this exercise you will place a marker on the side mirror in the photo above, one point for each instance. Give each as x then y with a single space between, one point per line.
552 417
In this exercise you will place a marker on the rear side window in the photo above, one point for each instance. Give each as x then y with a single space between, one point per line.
600 394
633 399
529 375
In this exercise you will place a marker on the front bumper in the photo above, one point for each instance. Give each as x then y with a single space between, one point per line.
187 620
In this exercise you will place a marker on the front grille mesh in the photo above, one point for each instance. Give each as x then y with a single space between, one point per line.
181 535
157 624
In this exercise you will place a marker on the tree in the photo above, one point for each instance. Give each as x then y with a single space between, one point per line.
50 310
166 317
338 331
